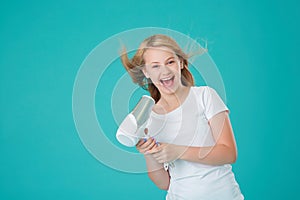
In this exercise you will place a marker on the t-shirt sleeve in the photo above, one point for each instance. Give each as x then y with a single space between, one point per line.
213 104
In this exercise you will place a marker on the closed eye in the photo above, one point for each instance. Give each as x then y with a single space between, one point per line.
170 62
155 66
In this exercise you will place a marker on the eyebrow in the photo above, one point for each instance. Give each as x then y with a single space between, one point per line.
171 57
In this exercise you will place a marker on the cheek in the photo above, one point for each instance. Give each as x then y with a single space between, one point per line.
154 78
176 70
177 67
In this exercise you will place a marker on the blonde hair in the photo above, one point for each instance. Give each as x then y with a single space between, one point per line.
135 65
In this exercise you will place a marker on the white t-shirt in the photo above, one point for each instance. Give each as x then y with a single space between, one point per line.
188 125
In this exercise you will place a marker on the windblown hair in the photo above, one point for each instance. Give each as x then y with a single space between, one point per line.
135 65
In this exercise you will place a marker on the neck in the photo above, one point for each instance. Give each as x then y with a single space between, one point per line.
172 101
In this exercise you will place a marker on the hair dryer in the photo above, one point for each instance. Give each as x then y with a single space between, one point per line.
132 127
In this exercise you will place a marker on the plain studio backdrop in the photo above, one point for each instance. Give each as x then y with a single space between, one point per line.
43 44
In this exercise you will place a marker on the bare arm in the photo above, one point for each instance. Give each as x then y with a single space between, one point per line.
156 172
223 152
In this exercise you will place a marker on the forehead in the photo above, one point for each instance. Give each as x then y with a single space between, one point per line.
158 54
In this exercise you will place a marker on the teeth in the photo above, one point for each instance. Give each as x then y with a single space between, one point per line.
166 79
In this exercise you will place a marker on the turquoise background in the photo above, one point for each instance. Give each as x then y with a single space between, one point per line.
254 44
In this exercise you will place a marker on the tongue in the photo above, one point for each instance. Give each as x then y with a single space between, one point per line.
168 83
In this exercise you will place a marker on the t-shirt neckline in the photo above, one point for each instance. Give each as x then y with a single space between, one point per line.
176 109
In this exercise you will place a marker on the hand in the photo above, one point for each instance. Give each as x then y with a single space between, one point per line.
165 153
145 145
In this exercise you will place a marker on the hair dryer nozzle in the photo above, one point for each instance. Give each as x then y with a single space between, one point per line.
128 133
142 110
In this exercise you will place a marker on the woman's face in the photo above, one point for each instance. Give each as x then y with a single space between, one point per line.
163 67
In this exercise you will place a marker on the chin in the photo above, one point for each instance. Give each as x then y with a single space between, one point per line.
168 90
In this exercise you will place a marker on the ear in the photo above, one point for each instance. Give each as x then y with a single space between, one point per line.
182 65
145 72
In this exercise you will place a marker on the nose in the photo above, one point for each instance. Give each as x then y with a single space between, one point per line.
164 70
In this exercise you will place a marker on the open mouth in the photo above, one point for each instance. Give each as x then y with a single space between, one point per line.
167 82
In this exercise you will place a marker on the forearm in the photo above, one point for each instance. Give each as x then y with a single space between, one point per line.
219 154
223 152
156 173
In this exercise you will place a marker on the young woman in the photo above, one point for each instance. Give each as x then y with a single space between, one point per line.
191 144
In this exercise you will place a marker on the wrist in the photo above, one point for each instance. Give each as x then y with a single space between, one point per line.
187 152
152 164
182 151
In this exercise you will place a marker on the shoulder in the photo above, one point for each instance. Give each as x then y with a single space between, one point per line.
202 90
205 94
200 93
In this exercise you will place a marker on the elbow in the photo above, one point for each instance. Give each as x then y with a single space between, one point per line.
233 160
161 183
163 186
233 157
229 155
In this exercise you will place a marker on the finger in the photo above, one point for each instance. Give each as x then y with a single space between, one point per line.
148 142
152 145
141 146
156 155
161 161
141 142
153 151
160 158
144 146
